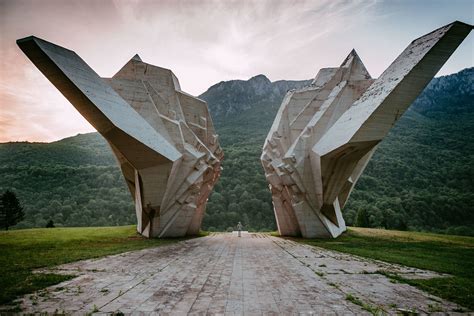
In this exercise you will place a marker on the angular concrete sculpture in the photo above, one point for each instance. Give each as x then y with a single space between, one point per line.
324 135
162 137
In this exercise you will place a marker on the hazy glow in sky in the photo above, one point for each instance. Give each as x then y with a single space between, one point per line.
203 42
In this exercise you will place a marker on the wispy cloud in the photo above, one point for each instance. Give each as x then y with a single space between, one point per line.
203 42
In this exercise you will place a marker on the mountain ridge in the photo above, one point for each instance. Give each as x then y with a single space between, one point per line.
256 90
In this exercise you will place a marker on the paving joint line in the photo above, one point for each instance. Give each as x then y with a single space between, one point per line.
141 282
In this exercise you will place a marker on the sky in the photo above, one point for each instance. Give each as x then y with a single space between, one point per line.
204 42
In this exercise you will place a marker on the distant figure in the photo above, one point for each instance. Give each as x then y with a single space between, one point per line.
239 228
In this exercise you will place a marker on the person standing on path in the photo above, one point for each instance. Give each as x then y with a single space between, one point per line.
239 228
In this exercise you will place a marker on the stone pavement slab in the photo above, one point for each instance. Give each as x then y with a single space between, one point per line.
223 274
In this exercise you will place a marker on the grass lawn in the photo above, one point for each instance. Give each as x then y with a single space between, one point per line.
442 253
22 251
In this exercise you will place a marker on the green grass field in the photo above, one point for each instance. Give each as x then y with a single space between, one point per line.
442 253
22 251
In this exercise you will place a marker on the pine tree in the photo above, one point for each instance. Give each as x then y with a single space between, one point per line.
11 212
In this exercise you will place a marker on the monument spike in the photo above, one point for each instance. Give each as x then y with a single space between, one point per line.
313 162
163 139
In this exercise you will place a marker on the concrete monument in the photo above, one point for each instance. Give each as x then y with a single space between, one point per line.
163 138
324 135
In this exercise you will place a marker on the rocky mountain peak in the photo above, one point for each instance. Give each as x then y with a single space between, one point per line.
229 98
260 80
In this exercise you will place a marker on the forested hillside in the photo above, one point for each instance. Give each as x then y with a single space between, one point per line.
74 182
421 177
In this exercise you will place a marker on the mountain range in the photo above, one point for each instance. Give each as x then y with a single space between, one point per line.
420 178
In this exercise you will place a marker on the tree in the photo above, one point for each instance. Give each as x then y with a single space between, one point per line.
11 212
50 224
362 219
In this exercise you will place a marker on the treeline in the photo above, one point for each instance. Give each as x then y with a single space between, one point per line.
73 182
71 196
421 178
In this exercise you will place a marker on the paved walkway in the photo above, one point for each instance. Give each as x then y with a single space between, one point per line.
223 274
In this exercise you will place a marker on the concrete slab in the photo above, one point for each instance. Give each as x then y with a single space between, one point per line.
224 274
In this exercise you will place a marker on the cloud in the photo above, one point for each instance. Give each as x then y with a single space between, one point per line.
203 42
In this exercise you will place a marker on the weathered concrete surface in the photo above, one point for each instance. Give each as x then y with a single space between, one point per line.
324 134
163 138
223 274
